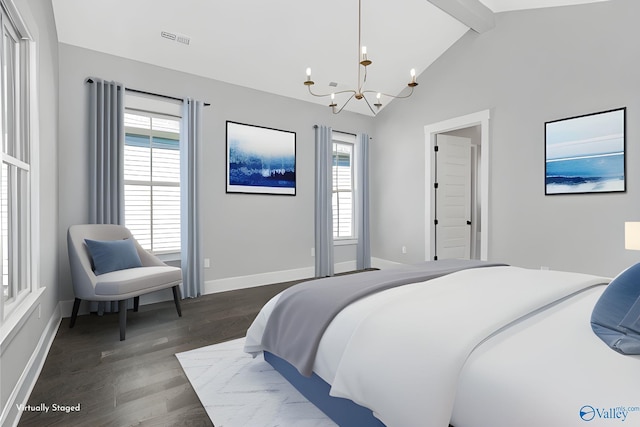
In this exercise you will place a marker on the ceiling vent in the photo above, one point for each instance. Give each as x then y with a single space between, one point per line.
180 38
168 35
183 39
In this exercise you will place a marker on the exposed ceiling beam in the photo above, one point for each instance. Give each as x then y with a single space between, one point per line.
472 13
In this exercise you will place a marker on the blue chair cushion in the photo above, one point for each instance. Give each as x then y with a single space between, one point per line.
616 315
112 255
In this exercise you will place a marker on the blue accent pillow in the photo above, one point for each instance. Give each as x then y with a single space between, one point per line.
112 255
616 315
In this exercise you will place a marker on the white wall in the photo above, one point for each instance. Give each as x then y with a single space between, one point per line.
534 66
25 344
247 237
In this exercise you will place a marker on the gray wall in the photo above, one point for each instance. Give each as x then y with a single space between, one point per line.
534 66
40 322
243 234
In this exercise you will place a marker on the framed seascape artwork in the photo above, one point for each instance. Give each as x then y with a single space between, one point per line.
586 154
260 160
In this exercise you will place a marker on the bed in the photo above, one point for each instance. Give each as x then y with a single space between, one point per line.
430 351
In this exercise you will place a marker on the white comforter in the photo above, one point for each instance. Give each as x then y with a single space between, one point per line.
399 352
549 370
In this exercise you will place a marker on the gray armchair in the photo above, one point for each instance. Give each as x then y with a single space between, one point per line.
148 274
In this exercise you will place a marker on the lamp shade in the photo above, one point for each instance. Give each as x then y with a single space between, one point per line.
632 236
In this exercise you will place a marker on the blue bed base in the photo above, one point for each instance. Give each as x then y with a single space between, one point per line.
343 412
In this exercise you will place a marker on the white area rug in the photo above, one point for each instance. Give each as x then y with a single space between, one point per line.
239 391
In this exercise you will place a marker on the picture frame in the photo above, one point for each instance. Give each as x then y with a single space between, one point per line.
260 160
586 154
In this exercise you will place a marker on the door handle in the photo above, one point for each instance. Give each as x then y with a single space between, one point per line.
468 222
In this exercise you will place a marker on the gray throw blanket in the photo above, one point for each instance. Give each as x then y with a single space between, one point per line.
304 311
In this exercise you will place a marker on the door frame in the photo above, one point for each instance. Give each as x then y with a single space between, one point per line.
480 118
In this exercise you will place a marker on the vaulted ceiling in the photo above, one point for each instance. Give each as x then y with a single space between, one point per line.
267 45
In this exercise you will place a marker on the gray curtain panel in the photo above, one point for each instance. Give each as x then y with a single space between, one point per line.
363 250
106 140
106 163
323 207
190 185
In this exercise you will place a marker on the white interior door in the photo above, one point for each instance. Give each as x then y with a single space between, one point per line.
453 197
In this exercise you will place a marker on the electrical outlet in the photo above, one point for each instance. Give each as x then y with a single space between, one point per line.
404 249
207 263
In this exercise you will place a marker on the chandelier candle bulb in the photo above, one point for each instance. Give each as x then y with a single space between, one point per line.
378 104
333 104
364 62
413 82
308 82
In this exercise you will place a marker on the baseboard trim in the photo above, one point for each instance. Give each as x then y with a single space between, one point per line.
384 263
253 280
20 395
242 282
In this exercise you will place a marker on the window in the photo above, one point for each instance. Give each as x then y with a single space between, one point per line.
152 180
17 186
343 186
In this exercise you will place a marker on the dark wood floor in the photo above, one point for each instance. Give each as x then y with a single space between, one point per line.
138 381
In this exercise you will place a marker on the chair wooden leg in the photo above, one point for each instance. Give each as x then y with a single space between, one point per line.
176 299
74 313
122 314
136 303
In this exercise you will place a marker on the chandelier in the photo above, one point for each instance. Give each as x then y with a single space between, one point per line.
359 93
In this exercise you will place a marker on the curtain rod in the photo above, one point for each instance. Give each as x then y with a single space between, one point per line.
339 131
206 104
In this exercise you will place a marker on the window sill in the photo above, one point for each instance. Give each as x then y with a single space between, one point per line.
170 257
18 318
345 242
